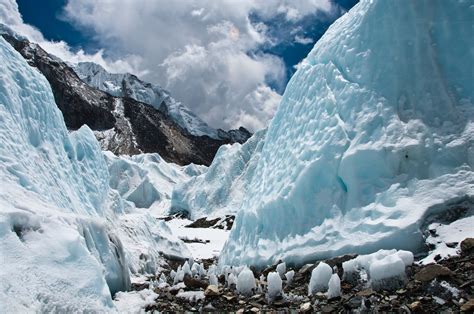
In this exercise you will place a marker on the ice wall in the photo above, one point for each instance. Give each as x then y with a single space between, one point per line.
219 191
50 199
62 228
374 133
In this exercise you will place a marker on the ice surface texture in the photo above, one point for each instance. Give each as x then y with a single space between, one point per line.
220 190
374 133
147 180
53 231
274 285
62 229
320 277
246 282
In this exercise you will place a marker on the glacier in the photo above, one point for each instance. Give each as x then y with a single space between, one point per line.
220 189
373 138
147 181
68 241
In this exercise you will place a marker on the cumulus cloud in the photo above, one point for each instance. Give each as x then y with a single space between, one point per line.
206 52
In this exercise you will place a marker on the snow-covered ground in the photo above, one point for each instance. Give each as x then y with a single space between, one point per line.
211 249
446 238
134 301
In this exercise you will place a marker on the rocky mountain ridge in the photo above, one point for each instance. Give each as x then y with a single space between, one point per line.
130 86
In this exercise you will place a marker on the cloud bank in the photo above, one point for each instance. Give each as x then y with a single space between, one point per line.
206 53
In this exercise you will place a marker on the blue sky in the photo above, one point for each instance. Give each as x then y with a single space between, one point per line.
175 62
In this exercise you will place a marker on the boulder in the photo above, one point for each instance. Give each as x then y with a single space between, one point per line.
431 272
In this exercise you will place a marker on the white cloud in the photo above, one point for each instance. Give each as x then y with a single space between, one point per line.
203 51
303 40
263 101
10 16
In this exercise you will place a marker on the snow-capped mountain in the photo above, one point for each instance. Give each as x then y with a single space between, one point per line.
128 85
373 139
124 125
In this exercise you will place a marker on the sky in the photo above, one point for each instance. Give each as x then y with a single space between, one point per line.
228 61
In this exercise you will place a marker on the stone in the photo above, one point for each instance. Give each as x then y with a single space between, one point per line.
306 269
328 309
194 283
320 295
468 306
467 245
211 291
431 272
230 298
415 306
346 286
281 303
355 302
209 308
451 244
365 293
255 310
306 307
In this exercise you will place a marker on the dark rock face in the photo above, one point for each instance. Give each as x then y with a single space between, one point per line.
78 103
122 125
156 133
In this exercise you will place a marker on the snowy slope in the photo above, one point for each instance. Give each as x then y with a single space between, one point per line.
374 135
128 85
220 190
147 180
62 228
